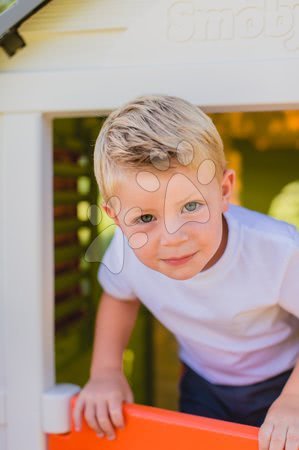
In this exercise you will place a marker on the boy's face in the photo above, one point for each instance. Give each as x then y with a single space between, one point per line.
174 213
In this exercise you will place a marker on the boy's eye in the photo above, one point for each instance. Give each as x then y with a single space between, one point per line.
192 206
147 218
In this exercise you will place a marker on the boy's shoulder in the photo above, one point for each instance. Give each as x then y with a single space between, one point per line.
264 225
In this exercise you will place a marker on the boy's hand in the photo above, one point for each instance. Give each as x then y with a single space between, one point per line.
280 429
101 399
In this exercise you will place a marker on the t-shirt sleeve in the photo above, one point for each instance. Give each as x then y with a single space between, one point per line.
289 293
113 271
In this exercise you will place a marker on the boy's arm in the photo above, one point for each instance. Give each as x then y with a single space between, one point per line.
114 324
101 398
292 385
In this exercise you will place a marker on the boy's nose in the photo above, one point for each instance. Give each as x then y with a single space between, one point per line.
173 235
174 224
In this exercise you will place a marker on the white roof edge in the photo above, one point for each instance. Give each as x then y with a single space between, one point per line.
16 13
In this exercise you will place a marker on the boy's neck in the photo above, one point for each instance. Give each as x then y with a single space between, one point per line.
221 247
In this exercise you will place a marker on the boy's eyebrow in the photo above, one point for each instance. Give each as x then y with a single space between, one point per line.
177 203
185 199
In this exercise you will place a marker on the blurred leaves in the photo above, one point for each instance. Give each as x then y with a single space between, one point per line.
5 4
266 130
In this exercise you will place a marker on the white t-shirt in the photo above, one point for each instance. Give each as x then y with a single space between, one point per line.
236 323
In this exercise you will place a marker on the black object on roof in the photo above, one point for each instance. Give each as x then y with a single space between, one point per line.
12 18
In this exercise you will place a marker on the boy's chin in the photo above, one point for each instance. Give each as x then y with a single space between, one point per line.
181 276
176 273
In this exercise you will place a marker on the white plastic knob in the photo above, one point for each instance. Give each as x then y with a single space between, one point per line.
56 414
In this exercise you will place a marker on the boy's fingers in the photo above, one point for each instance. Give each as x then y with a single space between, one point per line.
264 436
115 411
103 419
292 438
77 412
278 437
90 416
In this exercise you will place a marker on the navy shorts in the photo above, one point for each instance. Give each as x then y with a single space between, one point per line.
241 404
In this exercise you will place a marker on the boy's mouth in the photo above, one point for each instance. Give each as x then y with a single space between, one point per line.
181 260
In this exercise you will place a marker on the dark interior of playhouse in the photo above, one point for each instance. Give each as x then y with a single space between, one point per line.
263 149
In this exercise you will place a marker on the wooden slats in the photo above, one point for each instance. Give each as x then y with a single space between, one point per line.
71 170
74 308
69 197
66 225
69 306
67 252
66 280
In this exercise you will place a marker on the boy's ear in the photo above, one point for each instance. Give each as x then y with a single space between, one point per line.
227 186
110 212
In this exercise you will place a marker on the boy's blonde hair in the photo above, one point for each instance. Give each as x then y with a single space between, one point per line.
151 131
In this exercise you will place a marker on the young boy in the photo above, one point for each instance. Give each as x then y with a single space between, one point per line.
222 278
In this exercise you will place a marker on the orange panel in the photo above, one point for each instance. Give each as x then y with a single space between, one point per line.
149 428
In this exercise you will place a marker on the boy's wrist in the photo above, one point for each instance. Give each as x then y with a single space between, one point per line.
105 368
292 385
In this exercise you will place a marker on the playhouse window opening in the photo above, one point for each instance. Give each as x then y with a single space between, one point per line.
263 149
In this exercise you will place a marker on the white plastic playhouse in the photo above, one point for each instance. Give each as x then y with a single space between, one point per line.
68 58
